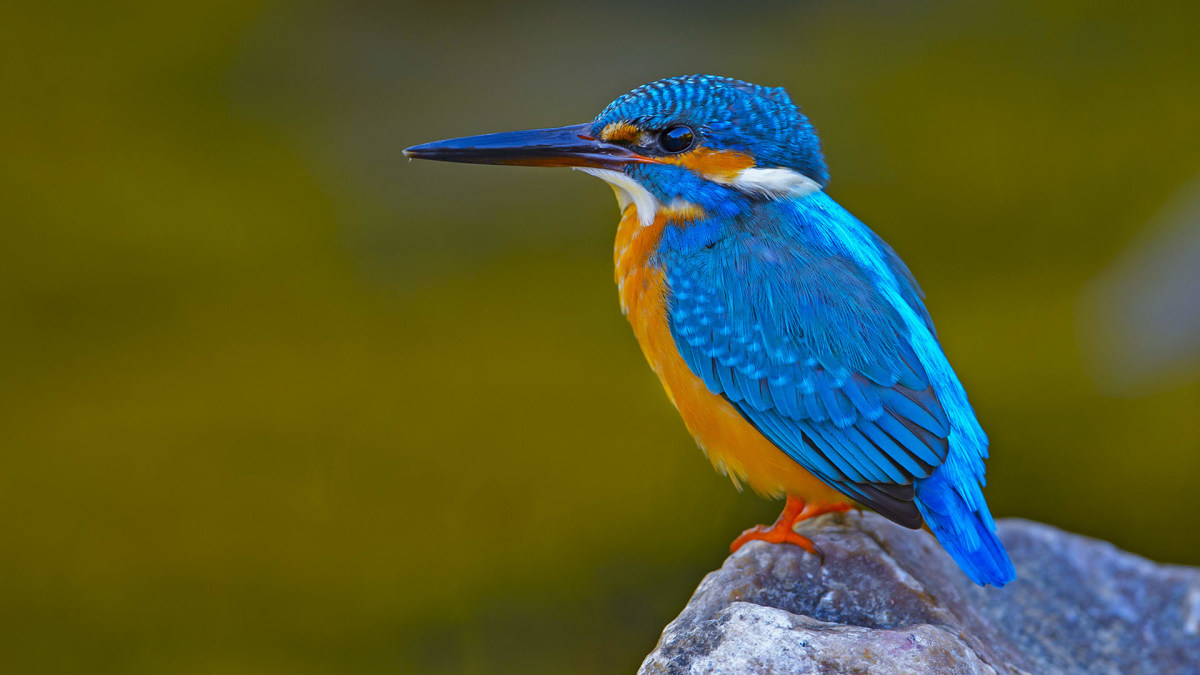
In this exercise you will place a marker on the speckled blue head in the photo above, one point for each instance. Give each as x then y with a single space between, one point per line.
725 114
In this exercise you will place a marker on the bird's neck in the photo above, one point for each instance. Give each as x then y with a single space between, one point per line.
651 233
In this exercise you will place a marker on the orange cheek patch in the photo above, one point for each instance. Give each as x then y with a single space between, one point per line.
620 131
718 165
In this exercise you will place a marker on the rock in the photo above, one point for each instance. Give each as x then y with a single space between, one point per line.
889 600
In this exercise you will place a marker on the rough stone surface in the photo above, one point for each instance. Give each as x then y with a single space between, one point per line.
889 600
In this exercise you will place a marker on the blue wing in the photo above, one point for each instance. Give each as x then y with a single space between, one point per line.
813 328
806 347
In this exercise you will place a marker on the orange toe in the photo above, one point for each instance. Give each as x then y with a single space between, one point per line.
758 532
783 532
774 535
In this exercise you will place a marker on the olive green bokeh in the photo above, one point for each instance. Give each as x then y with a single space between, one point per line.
275 400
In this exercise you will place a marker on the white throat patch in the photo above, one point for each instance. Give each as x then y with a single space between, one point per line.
629 191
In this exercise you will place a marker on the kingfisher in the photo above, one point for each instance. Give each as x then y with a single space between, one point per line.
791 338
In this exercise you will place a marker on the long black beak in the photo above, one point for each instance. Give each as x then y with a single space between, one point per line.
564 146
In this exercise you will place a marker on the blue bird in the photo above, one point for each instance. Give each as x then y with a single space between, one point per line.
791 338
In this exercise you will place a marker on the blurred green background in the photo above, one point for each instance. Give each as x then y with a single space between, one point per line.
276 400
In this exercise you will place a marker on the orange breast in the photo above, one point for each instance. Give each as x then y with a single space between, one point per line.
735 447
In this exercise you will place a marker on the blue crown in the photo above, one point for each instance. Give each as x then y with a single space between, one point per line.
727 114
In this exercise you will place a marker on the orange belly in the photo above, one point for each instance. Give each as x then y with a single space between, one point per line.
735 447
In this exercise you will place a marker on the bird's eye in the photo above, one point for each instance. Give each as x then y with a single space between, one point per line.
676 139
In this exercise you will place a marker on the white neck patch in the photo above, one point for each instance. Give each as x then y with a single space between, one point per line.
629 191
775 183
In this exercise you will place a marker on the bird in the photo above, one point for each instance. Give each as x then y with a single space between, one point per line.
791 338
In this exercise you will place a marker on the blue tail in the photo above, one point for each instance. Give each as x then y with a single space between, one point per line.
961 521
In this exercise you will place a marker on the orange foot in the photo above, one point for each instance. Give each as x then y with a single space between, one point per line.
782 532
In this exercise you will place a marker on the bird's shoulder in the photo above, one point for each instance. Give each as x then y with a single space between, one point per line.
810 258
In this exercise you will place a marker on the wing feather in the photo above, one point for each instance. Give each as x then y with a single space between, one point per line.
813 356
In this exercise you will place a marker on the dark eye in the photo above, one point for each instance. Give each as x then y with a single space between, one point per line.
676 139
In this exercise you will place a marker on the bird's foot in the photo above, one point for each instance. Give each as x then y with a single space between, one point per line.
783 530
775 535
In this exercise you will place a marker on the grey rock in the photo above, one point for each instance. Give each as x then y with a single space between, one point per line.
890 600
